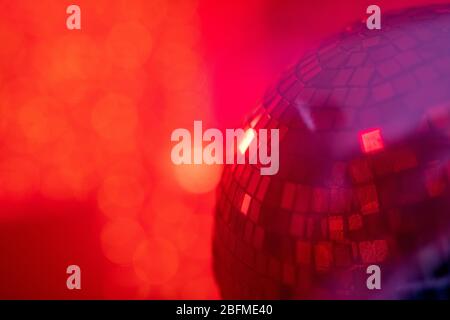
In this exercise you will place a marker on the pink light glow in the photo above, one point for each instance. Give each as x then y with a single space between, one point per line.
371 141
248 138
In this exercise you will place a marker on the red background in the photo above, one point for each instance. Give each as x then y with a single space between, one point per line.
85 123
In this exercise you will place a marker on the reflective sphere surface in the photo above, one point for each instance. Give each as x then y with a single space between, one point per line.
364 171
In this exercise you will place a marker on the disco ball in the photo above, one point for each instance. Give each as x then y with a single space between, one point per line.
364 172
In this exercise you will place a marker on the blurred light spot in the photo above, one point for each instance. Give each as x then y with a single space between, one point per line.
70 57
19 176
40 123
120 238
371 141
255 120
141 10
115 119
12 42
169 215
248 138
121 195
156 261
198 178
129 45
168 212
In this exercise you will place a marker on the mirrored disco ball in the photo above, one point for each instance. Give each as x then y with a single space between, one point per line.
364 172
